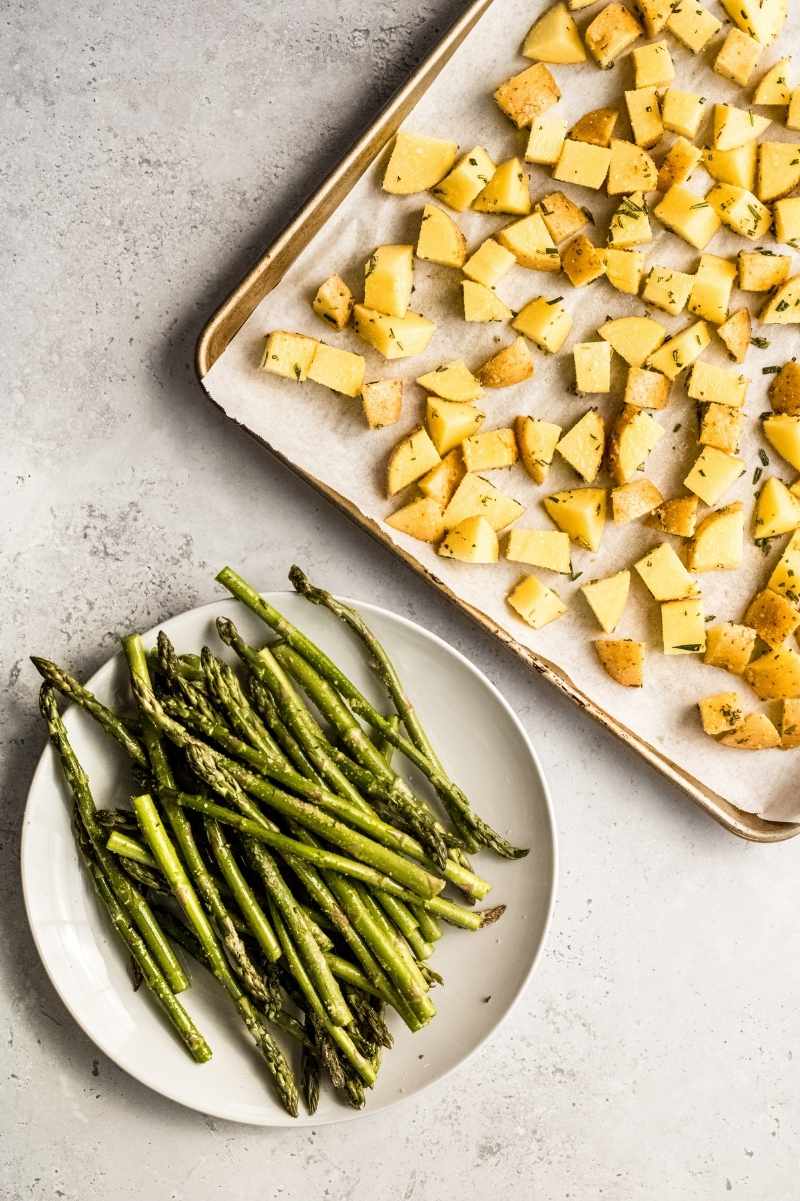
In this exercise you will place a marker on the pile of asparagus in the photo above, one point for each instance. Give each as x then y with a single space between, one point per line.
272 839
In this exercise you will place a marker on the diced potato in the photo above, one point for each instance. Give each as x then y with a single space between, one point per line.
793 111
740 210
633 436
288 355
718 544
778 169
683 627
440 240
490 450
652 65
583 164
613 30
667 289
737 167
389 280
735 333
784 307
713 473
441 481
527 95
775 676
333 302
576 4
777 510
682 112
561 216
633 338
508 191
450 422
630 224
729 646
773 86
382 401
482 304
511 365
712 287
678 164
692 24
676 516
545 141
582 446
623 660
467 180
582 261
772 616
784 391
760 271
595 127
607 598
785 577
634 500
535 603
536 441
719 385
720 713
473 540
476 496
631 169
393 337
689 216
592 366
411 458
624 269
451 381
790 724
734 126
645 389
664 575
644 113
545 322
530 243
654 13
581 513
720 426
554 38
421 519
681 350
756 733
762 19
417 163
540 548
738 57
489 263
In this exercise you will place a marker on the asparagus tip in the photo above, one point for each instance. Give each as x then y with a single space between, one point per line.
490 916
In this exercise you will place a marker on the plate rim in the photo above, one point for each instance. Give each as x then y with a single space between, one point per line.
306 1121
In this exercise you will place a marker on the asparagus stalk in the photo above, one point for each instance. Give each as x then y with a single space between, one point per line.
107 718
310 1078
129 848
257 921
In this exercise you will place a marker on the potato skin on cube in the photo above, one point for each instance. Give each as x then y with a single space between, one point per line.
528 94
622 659
675 516
511 365
613 30
536 440
775 675
729 646
772 617
382 402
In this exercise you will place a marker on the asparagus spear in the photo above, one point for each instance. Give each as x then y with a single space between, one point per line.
130 848
253 914
107 718
309 1078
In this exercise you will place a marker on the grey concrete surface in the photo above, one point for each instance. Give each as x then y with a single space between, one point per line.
149 150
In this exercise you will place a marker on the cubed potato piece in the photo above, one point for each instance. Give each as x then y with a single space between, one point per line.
633 436
389 280
654 13
664 576
633 338
793 111
382 401
738 57
631 169
466 181
417 163
540 548
554 38
783 432
592 366
535 603
562 217
511 365
735 333
712 287
489 263
441 481
777 510
613 30
720 385
784 391
692 24
790 724
333 302
411 458
772 616
508 191
645 389
729 646
734 126
527 95
481 304
582 446
576 4
720 713
530 243
583 164
622 659
680 351
450 422
713 473
624 269
644 113
775 675
473 540
760 271
582 261
675 516
667 289
288 355
736 167
689 216
340 370
783 308
762 19
630 224
683 112
420 519
678 164
440 240
773 87
607 598
683 627
393 337
536 441
718 544
778 169
490 450
756 733
545 322
720 426
785 577
545 141
652 65
595 127
581 513
634 500
451 381
740 210
477 496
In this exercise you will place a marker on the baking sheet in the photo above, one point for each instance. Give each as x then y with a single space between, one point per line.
326 436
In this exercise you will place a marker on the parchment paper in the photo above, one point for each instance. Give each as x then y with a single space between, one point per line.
325 434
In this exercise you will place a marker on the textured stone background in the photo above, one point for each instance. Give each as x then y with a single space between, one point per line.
652 1055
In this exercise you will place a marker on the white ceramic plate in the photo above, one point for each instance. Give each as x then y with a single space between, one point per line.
489 753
